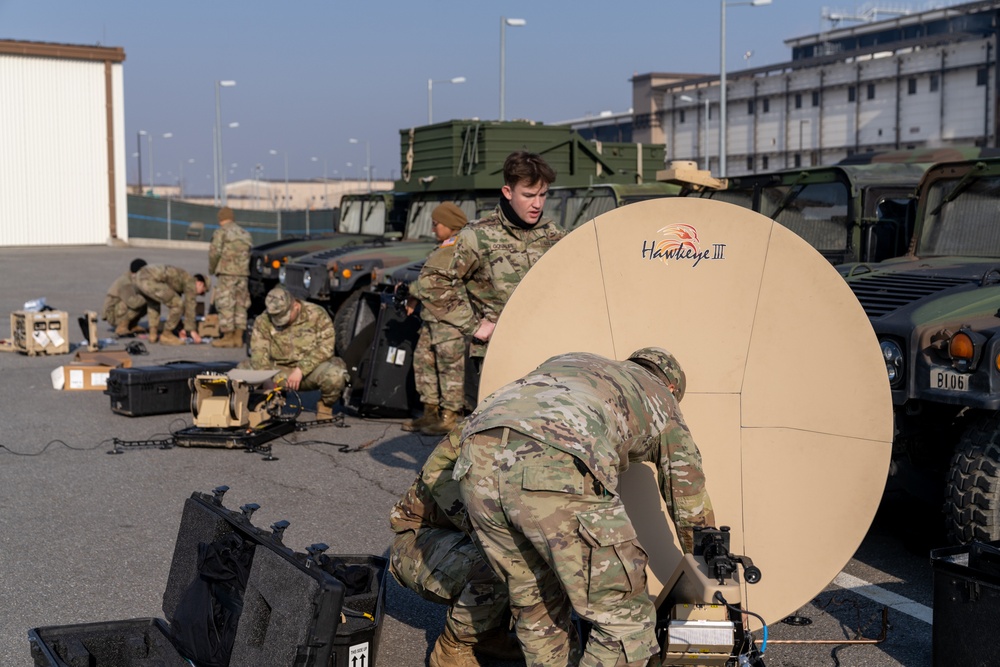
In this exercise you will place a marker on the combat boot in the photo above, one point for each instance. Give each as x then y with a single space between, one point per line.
450 651
498 644
430 417
153 335
226 340
123 330
324 411
168 338
448 420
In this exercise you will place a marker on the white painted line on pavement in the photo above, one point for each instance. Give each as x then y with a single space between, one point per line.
888 598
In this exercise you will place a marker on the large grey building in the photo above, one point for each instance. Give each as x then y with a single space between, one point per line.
925 79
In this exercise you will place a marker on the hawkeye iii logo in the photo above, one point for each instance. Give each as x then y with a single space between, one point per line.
680 243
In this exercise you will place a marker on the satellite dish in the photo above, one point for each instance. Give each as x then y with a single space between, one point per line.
787 395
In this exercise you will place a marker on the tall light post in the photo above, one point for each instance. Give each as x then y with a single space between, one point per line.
180 180
219 168
688 98
325 200
722 79
138 156
149 142
504 22
368 160
274 152
430 94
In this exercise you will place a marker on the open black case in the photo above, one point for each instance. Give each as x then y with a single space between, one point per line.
280 608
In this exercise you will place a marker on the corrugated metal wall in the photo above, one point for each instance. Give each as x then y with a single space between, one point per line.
54 152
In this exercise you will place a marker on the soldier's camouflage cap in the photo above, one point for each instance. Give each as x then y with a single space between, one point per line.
658 359
279 306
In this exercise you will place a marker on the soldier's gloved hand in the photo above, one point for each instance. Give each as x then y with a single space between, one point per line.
294 379
411 305
484 331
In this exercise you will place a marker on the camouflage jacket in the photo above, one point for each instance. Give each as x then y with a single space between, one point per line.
491 257
305 343
435 287
607 414
433 500
229 252
123 290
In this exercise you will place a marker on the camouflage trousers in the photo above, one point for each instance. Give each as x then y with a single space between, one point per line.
444 566
232 299
330 378
439 369
563 543
158 293
118 312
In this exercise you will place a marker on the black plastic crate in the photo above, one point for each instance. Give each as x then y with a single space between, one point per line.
966 604
157 390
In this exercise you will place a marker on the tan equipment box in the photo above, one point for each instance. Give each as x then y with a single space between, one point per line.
35 333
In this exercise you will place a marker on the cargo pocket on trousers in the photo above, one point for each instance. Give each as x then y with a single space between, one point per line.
617 562
556 477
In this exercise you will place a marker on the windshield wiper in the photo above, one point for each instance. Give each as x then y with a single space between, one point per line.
794 190
963 184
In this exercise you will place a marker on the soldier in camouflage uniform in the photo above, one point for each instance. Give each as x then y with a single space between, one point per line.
229 262
124 306
492 255
539 469
439 360
176 289
433 556
297 338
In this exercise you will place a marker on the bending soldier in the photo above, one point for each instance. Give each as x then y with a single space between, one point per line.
539 469
297 338
176 289
229 262
124 306
439 360
433 556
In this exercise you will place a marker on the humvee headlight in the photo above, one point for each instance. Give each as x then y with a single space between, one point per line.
307 279
258 265
281 275
961 346
894 362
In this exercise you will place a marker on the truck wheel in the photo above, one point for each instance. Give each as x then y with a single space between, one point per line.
344 321
972 492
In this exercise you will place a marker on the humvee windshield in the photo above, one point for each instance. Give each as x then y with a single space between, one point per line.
961 218
363 216
818 212
418 223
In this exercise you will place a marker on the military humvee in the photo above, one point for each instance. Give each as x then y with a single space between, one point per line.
936 312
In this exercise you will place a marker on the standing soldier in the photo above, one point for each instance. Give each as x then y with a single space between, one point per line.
493 254
439 360
433 555
176 289
229 262
124 306
538 471
297 338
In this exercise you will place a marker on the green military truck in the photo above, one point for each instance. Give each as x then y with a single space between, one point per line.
459 161
850 213
936 312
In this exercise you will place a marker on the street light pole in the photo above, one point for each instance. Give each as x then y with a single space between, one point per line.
138 155
220 169
368 160
430 93
504 22
722 79
274 152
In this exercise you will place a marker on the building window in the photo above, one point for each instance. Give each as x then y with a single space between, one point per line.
798 100
871 91
798 159
767 105
750 106
763 163
815 98
911 87
935 83
852 93
681 118
749 162
981 75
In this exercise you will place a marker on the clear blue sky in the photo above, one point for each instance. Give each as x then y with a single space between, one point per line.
311 74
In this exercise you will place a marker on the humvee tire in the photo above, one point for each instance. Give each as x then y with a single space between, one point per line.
972 493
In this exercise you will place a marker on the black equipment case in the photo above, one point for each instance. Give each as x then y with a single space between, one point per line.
157 390
380 357
282 608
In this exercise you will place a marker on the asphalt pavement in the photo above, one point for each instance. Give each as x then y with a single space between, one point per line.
87 536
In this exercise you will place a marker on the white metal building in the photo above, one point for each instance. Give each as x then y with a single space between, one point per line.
926 79
62 130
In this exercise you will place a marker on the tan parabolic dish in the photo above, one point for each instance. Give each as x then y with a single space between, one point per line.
787 395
